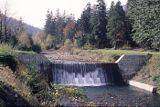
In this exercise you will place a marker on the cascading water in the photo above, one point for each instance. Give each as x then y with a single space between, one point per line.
83 74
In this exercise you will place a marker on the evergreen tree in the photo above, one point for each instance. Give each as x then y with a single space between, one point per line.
1 26
99 26
84 24
49 23
85 20
116 25
146 27
93 37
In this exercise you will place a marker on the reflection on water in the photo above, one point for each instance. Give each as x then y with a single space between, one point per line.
121 96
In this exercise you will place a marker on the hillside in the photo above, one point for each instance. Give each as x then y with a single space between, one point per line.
150 72
29 28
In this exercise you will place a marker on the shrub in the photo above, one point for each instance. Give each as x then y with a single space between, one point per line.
68 44
8 60
24 42
44 41
6 49
36 48
50 42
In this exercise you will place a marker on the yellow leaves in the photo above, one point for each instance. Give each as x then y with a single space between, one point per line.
43 40
39 39
24 40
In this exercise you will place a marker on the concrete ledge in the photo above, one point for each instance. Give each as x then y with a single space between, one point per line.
143 86
120 58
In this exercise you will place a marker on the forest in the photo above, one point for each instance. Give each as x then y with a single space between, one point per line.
133 25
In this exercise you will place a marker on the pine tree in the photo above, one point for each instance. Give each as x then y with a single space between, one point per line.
93 37
99 27
85 19
1 26
116 25
146 27
60 24
49 23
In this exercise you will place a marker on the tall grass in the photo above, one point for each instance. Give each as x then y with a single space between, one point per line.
6 49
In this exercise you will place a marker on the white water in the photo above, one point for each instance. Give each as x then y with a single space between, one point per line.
80 74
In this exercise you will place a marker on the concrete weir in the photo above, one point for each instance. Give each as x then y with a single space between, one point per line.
82 73
143 86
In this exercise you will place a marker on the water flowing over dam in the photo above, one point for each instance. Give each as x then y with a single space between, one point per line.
85 74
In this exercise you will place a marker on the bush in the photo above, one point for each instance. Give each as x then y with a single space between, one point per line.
81 41
36 48
24 42
66 90
8 60
88 46
6 49
50 42
44 41
68 44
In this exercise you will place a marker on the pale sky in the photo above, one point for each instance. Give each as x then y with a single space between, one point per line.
34 12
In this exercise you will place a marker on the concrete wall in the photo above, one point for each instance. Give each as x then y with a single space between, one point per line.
130 64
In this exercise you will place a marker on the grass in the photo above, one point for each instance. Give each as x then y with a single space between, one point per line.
150 72
7 76
6 49
120 52
103 55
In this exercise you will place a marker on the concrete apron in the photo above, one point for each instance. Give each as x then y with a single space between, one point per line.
143 86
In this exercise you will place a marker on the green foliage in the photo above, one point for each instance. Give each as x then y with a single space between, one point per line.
33 101
46 95
2 104
8 60
49 23
36 48
116 25
6 49
50 41
70 91
8 56
85 19
81 41
41 41
145 14
99 24
68 44
55 25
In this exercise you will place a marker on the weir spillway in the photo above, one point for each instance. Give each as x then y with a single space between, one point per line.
85 74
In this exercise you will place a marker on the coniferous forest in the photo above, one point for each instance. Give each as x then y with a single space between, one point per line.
134 25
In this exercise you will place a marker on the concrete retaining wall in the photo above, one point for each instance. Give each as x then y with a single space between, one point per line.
130 64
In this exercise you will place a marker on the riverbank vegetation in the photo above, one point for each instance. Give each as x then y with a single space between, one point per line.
21 84
150 72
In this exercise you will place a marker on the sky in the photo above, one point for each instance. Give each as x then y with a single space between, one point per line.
34 12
